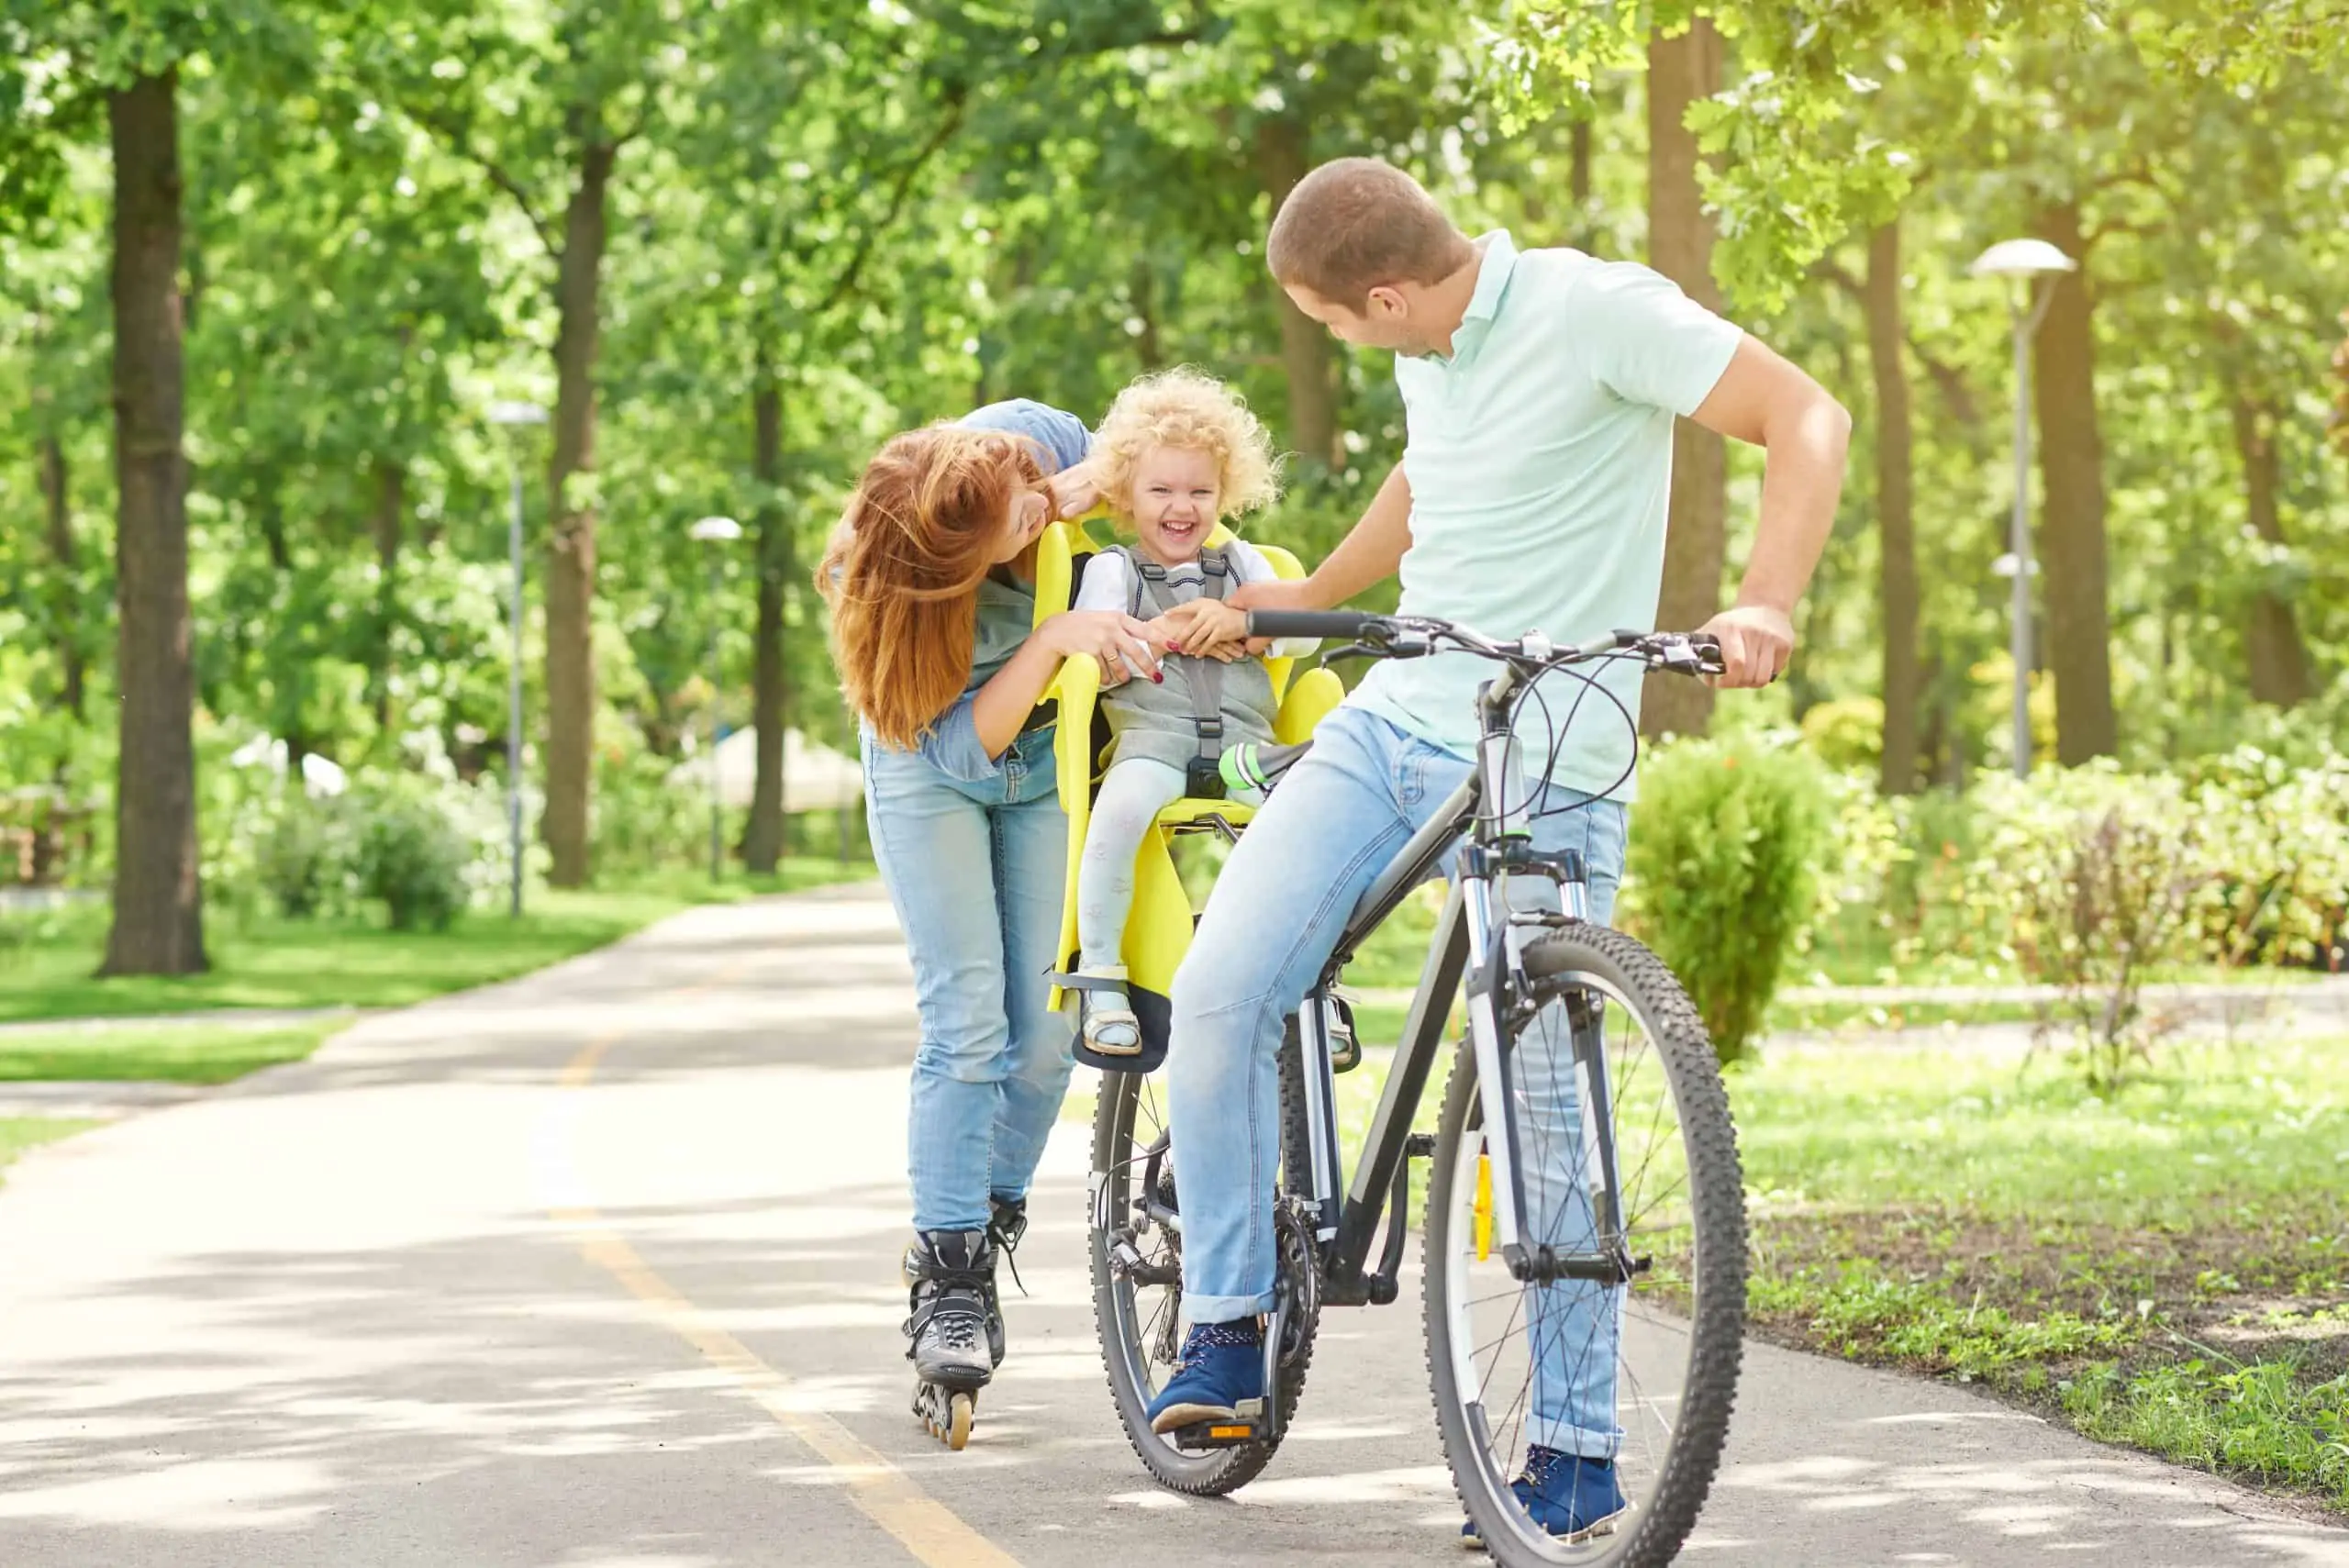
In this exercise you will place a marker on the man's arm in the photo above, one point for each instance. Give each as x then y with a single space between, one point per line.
1370 553
1764 400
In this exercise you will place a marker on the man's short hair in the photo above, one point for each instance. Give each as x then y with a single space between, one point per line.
1357 224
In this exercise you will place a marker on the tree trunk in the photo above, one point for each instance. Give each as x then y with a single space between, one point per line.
762 840
158 892
2279 661
2071 467
385 524
64 602
1896 537
65 622
292 683
1932 737
1305 353
1681 71
570 554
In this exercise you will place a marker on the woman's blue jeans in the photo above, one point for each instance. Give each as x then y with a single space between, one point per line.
976 871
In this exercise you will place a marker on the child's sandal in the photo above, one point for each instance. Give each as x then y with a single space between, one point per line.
1109 1026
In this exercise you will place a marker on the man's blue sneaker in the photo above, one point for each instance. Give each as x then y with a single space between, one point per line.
1573 1499
1223 1364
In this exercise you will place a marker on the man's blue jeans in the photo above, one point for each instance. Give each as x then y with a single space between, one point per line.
1334 823
976 869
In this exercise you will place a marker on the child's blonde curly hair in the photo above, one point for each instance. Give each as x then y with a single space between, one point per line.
1183 407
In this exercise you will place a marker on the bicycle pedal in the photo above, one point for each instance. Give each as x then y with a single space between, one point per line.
1215 1434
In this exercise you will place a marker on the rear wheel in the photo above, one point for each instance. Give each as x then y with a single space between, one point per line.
1644 1374
1137 1259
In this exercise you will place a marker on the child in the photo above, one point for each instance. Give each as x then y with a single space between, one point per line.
1178 453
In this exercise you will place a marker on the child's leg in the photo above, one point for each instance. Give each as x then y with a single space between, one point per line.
1132 795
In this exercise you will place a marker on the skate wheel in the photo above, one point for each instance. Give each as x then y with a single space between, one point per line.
958 1416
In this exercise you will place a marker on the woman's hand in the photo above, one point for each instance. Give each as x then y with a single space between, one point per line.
1075 490
1117 641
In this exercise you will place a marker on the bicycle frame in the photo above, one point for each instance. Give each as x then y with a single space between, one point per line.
1480 940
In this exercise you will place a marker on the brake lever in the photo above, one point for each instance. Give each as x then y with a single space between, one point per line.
1691 655
1409 645
1354 650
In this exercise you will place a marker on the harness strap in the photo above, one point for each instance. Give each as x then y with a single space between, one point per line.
1083 982
1202 676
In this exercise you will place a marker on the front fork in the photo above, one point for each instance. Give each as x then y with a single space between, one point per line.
1498 988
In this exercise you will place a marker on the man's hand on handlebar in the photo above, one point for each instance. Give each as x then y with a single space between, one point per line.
1756 641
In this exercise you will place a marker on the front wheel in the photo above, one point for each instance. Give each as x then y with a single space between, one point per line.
1642 1375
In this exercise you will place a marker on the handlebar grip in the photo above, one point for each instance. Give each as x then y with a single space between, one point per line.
1348 624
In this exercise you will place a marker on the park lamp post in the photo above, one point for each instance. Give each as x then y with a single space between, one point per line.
515 417
2028 260
715 530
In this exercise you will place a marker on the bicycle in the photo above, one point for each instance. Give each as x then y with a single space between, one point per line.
1636 1228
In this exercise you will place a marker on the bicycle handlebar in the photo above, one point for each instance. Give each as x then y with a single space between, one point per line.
1379 636
1348 624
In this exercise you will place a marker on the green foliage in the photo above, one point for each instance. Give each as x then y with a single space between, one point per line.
643 818
859 219
2264 1420
1859 1311
1719 877
2096 880
2099 872
1846 734
411 852
2274 839
305 861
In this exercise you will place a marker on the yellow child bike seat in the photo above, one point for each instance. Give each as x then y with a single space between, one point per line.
1158 932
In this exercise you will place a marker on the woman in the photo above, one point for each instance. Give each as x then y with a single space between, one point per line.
930 578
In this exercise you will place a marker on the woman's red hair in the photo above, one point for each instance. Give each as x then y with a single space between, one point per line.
902 573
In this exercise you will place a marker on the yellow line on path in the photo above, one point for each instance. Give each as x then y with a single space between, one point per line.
881 1492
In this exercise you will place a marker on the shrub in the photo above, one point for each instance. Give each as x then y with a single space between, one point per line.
304 863
412 855
2100 872
645 818
1720 872
2274 834
1846 734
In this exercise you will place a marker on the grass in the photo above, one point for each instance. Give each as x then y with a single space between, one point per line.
2166 1266
176 1053
270 962
2268 1419
19 1133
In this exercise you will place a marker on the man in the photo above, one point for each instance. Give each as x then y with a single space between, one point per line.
1541 388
